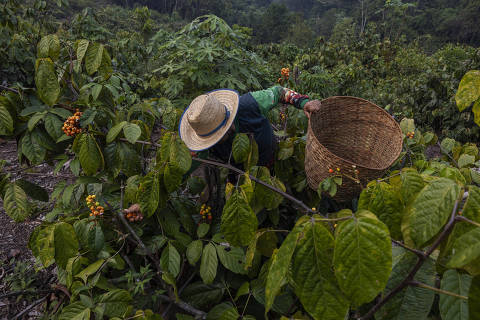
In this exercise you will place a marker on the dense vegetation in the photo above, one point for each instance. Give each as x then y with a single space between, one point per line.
87 92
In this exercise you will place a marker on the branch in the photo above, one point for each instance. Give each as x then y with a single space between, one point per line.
9 89
419 253
234 169
425 286
462 218
185 306
31 306
421 260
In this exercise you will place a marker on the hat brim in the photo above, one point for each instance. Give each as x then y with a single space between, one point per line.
230 99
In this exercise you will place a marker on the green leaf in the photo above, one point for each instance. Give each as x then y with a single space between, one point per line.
49 47
6 121
363 257
46 246
411 303
75 311
53 125
466 160
82 46
96 238
48 88
149 193
91 269
179 154
466 249
116 303
280 262
243 290
452 308
314 281
240 147
132 132
194 251
170 260
407 125
66 243
232 258
115 130
476 112
447 145
223 311
15 203
431 210
34 152
468 90
474 299
105 69
93 57
267 243
208 266
203 230
412 184
33 191
90 155
239 223
285 149
172 177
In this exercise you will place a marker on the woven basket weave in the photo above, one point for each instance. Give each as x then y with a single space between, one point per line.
350 133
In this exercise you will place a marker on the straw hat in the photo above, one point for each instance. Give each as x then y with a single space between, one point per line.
208 118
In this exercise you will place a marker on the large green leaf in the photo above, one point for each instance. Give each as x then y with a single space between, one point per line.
314 280
66 243
476 112
431 209
172 177
194 251
105 69
170 260
474 299
239 223
149 193
116 303
386 204
223 311
48 88
53 125
89 270
93 57
240 147
115 130
132 132
208 266
34 152
468 90
179 154
466 249
280 262
412 303
452 308
412 184
15 202
45 244
75 311
123 157
33 191
232 258
363 257
82 46
48 47
90 155
6 121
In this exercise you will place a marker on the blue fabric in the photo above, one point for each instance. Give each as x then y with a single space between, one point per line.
227 115
250 120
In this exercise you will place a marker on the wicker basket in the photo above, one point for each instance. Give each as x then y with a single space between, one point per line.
350 133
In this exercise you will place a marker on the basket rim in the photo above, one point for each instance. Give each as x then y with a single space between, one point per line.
397 125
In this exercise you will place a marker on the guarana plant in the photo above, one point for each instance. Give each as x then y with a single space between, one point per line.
130 240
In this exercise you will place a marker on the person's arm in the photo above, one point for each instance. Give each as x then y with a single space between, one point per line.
271 97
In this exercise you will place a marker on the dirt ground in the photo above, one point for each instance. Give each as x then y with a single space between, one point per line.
14 253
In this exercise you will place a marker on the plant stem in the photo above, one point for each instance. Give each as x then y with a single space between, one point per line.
421 260
185 306
425 286
417 252
462 218
31 306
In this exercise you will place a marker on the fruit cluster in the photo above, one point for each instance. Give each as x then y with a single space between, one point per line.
410 135
95 208
71 126
286 72
133 214
332 171
205 212
282 116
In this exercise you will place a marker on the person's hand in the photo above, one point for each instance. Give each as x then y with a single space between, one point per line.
311 106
